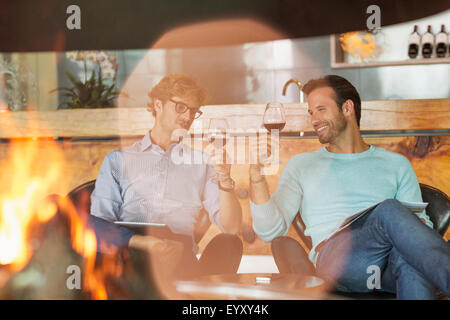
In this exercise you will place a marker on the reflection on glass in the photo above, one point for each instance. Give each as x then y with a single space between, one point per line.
217 130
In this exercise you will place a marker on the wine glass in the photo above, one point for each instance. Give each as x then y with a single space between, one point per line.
217 130
273 119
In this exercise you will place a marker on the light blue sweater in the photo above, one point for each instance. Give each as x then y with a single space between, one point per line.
329 187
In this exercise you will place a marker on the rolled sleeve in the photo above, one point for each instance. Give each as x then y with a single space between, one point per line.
106 202
274 217
106 199
266 220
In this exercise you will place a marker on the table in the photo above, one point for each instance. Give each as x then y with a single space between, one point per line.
260 286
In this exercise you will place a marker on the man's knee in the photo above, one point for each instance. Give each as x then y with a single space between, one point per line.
290 257
222 255
224 240
286 248
390 204
386 207
285 244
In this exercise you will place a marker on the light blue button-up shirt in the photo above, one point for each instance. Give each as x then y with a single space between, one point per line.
144 183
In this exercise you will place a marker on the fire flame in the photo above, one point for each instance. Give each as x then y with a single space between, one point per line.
29 174
85 243
27 178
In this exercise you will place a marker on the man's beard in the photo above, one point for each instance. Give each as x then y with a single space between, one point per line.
335 128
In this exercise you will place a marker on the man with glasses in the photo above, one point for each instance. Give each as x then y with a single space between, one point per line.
142 183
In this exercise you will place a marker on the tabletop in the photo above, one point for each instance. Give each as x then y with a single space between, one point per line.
262 286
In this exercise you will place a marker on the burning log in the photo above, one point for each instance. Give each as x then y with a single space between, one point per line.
44 276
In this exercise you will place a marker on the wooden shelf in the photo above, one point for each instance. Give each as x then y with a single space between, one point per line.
346 65
337 59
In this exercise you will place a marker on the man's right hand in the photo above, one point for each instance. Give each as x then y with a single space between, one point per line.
264 153
261 153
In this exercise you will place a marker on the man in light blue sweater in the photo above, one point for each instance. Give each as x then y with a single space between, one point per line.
347 175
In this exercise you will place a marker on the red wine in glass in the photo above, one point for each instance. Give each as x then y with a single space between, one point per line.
272 126
273 119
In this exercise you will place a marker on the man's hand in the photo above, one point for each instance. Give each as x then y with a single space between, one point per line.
262 152
221 163
230 208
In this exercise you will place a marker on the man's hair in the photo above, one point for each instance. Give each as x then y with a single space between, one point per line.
180 85
343 91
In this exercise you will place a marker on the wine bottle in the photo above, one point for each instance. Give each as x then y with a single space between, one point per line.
448 41
441 43
413 43
427 43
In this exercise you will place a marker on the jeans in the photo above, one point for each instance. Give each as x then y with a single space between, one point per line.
389 249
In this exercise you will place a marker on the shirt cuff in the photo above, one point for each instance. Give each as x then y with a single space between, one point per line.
264 210
265 220
428 222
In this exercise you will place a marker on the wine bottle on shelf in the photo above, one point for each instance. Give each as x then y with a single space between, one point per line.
427 43
441 43
448 42
413 43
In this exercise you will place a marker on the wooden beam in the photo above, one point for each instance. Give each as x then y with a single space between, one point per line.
422 114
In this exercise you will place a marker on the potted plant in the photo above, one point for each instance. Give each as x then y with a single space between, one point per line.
93 92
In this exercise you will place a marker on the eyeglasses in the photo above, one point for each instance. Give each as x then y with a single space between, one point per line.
181 107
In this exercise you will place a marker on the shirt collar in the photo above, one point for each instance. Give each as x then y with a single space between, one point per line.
146 143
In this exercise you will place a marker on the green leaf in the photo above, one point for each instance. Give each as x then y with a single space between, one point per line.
58 89
92 78
72 78
100 75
